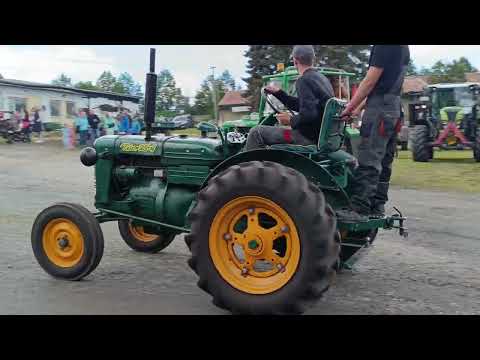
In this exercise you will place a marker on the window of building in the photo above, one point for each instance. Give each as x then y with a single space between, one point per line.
55 107
17 104
70 108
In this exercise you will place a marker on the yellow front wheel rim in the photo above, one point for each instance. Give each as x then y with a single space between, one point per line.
63 242
254 245
140 234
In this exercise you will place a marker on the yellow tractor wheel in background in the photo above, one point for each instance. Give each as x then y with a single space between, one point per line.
139 240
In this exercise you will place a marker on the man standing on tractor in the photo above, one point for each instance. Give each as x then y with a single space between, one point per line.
379 93
313 90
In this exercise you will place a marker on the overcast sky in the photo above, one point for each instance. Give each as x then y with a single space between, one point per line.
188 63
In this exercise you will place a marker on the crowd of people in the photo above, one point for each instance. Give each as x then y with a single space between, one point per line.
88 126
29 122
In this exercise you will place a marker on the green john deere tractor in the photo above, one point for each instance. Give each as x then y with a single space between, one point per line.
261 224
449 120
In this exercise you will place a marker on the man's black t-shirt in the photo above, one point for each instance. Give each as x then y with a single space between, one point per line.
392 59
93 121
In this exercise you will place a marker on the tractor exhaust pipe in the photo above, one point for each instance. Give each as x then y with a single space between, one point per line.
150 97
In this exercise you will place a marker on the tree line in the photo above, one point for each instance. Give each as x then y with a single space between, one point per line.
444 72
170 100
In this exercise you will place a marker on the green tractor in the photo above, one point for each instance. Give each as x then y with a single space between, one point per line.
448 121
260 225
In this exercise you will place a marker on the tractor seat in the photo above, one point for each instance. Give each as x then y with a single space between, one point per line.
329 139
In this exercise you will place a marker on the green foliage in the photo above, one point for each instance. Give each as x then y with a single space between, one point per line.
85 85
106 81
227 79
453 72
203 103
412 69
62 80
170 100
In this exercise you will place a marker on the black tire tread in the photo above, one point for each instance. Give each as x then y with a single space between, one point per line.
151 247
320 233
91 231
420 151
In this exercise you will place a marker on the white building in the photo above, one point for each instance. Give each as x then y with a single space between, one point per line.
60 102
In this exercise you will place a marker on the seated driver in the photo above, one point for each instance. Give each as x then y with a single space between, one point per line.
313 89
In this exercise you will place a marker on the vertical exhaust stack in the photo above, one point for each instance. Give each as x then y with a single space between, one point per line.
150 97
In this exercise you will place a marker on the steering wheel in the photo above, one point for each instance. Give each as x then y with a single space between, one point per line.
269 102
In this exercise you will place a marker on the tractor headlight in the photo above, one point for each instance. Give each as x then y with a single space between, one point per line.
88 156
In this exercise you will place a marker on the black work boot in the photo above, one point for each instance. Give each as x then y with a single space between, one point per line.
351 216
378 210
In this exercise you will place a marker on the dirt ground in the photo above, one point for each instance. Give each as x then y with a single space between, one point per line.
434 271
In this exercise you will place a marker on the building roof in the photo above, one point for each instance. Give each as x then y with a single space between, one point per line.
452 85
413 84
232 98
71 90
473 77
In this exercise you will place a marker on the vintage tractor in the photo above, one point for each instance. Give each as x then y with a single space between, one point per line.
449 121
261 224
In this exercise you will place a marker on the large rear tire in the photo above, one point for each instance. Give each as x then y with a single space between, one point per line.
421 151
67 241
263 240
139 240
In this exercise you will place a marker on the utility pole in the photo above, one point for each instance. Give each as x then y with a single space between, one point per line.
214 94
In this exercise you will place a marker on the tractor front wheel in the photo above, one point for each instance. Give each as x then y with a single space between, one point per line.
421 151
67 241
141 241
263 240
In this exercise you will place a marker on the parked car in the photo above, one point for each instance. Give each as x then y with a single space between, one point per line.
183 121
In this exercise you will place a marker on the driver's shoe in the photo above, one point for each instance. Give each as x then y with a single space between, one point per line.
351 216
377 211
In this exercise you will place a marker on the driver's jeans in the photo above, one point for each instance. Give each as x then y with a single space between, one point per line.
261 136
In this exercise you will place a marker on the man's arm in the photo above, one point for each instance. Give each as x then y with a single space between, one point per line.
365 88
291 102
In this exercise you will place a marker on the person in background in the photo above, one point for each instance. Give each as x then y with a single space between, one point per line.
135 127
110 124
18 119
37 124
125 123
81 124
26 124
93 122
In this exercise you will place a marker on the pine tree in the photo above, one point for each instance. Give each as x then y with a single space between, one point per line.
106 81
85 85
166 93
227 79
62 80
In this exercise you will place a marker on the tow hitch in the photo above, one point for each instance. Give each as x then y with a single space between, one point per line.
402 230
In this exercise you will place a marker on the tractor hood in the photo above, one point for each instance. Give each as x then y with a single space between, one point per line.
174 146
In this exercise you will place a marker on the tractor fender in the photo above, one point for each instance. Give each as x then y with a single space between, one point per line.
314 172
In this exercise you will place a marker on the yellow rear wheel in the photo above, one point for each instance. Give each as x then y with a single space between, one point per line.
262 240
248 260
